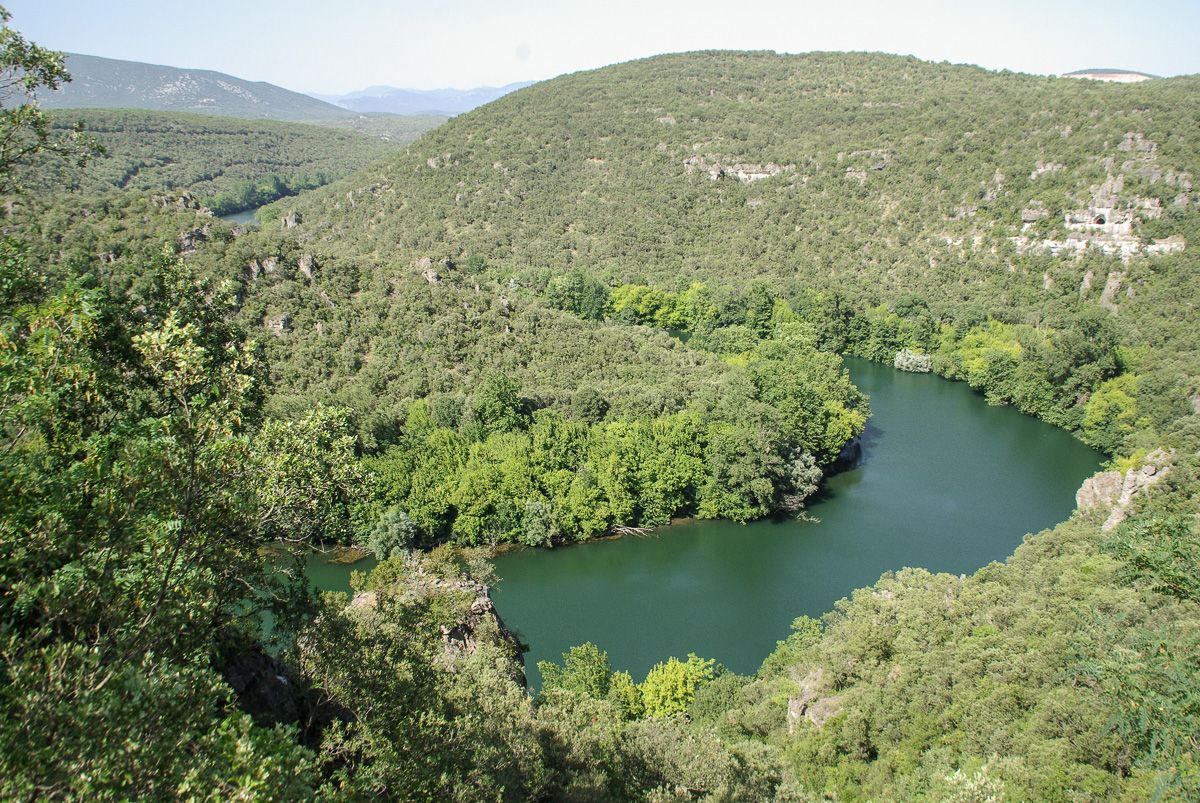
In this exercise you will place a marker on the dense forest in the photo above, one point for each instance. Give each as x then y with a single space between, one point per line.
479 340
227 164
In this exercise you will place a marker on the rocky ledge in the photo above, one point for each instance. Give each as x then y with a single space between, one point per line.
1116 491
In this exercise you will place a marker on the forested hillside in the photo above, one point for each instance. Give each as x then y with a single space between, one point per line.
479 341
1031 236
226 164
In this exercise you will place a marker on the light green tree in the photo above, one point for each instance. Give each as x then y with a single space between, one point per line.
670 687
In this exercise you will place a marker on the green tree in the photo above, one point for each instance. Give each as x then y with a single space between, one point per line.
26 132
585 670
393 534
309 477
495 406
670 687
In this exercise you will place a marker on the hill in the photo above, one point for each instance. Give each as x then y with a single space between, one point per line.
447 102
227 164
489 312
100 83
1031 236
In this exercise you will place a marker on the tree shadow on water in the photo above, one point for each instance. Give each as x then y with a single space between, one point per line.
853 456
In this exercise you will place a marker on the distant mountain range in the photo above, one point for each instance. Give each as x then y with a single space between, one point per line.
100 83
393 100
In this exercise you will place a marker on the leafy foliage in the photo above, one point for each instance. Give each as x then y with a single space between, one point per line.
480 319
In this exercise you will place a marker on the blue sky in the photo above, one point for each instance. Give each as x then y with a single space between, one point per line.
341 45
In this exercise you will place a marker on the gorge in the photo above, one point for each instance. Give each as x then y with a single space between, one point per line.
934 486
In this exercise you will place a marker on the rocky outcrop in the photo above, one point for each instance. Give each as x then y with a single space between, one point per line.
1107 221
1042 168
478 619
292 219
279 325
183 200
812 702
307 266
1115 492
273 693
1108 299
189 240
716 168
911 361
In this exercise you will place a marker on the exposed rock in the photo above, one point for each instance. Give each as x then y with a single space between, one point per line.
307 266
742 171
811 701
1111 287
279 325
1033 213
823 710
911 361
189 239
1086 283
1137 141
265 687
431 276
1042 168
479 620
292 219
1169 245
1115 492
1115 76
182 201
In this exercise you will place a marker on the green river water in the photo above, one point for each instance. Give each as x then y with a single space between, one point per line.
245 216
943 482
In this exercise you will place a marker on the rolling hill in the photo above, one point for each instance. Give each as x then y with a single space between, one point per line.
489 311
1034 237
227 164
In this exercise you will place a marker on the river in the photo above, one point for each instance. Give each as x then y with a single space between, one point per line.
943 482
246 216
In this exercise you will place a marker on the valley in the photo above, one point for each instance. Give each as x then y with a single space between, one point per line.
705 426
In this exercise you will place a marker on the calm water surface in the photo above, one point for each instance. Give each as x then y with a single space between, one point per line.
944 482
245 216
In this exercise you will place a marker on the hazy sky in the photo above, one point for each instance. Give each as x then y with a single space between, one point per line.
340 45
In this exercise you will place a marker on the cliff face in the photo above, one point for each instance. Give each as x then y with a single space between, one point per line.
1115 491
